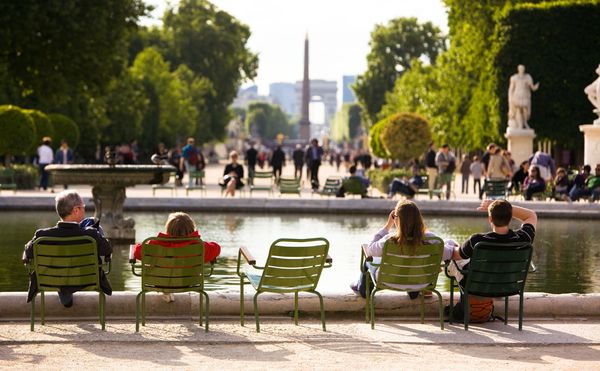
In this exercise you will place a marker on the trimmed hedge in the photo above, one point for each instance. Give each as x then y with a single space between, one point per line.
381 179
405 136
559 44
43 127
65 128
375 143
17 131
26 176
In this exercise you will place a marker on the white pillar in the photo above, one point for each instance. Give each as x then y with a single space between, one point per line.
591 151
520 143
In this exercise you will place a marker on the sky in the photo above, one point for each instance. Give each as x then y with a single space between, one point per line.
338 30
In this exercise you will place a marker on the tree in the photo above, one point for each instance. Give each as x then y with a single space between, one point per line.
266 120
43 128
212 44
18 132
405 136
346 123
393 49
50 48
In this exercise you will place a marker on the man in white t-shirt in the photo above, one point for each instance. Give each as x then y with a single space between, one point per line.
45 157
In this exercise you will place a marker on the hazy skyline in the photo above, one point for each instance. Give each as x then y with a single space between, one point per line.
339 32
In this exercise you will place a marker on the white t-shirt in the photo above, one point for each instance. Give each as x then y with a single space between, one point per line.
45 154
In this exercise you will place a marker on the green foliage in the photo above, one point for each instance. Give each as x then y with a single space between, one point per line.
266 120
53 48
65 128
212 44
405 136
375 143
559 44
381 179
26 176
43 128
17 131
346 123
394 47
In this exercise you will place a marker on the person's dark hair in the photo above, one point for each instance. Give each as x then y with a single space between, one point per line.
352 169
501 212
537 175
497 150
65 202
445 145
587 168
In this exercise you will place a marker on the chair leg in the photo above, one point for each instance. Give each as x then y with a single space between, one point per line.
521 311
466 307
143 308
322 309
43 305
137 312
451 312
506 310
296 308
242 301
368 296
422 300
101 302
441 308
372 309
32 324
200 309
256 311
206 310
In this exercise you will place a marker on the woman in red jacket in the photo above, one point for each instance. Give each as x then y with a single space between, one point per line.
181 225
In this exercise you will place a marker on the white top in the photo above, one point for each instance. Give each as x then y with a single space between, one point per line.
45 154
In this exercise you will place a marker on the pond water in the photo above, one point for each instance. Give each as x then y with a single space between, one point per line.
567 253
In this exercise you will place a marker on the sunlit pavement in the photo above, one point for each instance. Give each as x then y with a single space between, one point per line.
394 344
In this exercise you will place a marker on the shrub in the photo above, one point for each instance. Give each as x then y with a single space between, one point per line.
17 131
405 136
375 143
43 127
26 176
65 128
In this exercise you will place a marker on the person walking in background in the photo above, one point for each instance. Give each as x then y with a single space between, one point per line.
446 163
498 168
189 160
277 162
64 156
465 171
313 156
298 157
251 157
476 172
545 163
432 169
45 158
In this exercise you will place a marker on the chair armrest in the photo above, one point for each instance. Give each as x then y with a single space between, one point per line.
134 266
212 267
247 255
107 262
532 267
365 251
328 259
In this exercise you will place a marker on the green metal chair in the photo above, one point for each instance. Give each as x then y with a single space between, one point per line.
66 261
331 186
261 181
170 270
495 189
293 265
289 186
196 176
168 185
399 269
7 180
354 186
495 270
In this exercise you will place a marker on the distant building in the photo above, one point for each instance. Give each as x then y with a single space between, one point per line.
324 91
347 92
284 94
248 95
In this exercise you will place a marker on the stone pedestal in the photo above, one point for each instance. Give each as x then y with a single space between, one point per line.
520 143
591 150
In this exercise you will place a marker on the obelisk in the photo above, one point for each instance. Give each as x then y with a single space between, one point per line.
304 120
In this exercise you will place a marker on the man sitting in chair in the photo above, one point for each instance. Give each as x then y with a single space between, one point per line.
71 210
355 184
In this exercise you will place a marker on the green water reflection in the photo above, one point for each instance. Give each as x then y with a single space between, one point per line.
567 253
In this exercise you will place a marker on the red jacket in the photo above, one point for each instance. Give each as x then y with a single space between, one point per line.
211 249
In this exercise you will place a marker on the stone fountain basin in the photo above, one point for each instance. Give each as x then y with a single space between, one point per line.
120 175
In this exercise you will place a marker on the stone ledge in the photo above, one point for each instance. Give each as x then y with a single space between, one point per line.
122 305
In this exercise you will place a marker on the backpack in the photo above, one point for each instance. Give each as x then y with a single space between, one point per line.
480 310
451 167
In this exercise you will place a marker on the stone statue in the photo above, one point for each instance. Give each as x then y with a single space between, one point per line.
593 94
519 98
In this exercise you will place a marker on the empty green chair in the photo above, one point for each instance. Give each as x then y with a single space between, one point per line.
66 261
495 270
197 176
167 185
293 266
496 189
261 181
171 270
289 186
331 186
397 270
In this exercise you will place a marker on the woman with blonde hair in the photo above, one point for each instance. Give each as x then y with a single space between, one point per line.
180 225
232 175
409 233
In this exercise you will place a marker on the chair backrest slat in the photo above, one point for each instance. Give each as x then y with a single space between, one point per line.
66 261
498 269
399 268
294 265
177 265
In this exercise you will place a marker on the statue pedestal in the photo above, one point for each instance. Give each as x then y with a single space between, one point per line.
591 147
520 143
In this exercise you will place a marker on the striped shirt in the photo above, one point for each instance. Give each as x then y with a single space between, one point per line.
524 234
